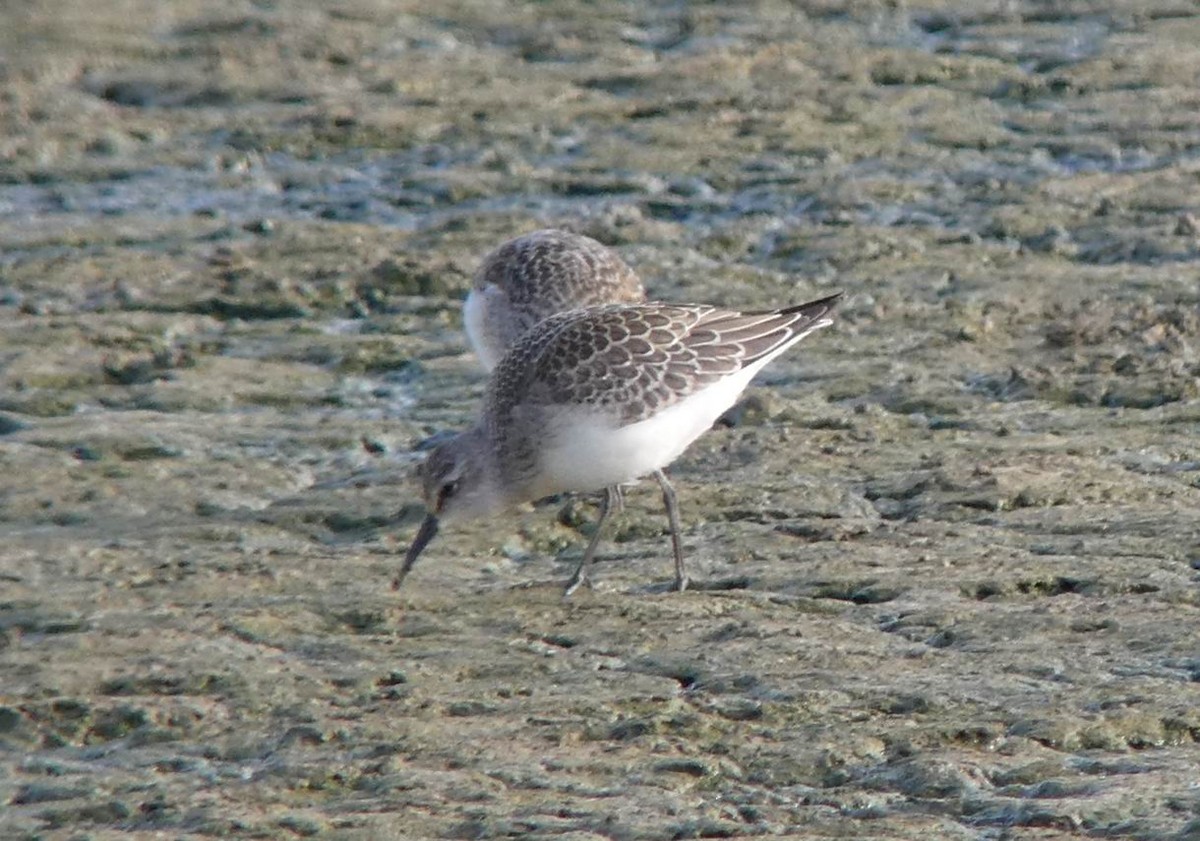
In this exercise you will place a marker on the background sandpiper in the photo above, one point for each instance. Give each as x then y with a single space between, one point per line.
537 275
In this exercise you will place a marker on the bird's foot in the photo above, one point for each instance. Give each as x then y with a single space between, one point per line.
580 579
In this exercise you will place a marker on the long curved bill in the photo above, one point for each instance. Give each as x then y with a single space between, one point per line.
428 530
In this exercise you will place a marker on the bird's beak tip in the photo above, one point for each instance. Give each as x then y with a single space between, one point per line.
426 533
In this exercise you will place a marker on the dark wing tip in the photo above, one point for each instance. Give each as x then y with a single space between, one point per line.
814 309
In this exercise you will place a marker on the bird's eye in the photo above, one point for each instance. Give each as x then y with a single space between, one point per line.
445 492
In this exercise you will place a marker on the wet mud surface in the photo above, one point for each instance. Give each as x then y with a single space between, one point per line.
952 542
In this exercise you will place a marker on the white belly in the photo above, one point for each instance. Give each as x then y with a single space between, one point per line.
586 452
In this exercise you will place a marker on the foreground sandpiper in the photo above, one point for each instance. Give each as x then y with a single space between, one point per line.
535 276
596 397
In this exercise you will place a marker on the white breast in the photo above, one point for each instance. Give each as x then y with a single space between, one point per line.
482 312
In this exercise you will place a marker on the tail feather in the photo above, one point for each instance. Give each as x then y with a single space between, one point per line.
784 327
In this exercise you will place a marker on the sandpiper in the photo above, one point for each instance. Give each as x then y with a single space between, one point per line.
596 397
536 275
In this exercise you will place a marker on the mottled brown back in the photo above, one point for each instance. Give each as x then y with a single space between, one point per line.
550 271
638 359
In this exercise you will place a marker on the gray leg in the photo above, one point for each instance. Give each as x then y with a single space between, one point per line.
583 573
672 506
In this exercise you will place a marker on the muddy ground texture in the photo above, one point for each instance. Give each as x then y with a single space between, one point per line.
958 531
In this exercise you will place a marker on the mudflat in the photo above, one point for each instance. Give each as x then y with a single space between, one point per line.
951 544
